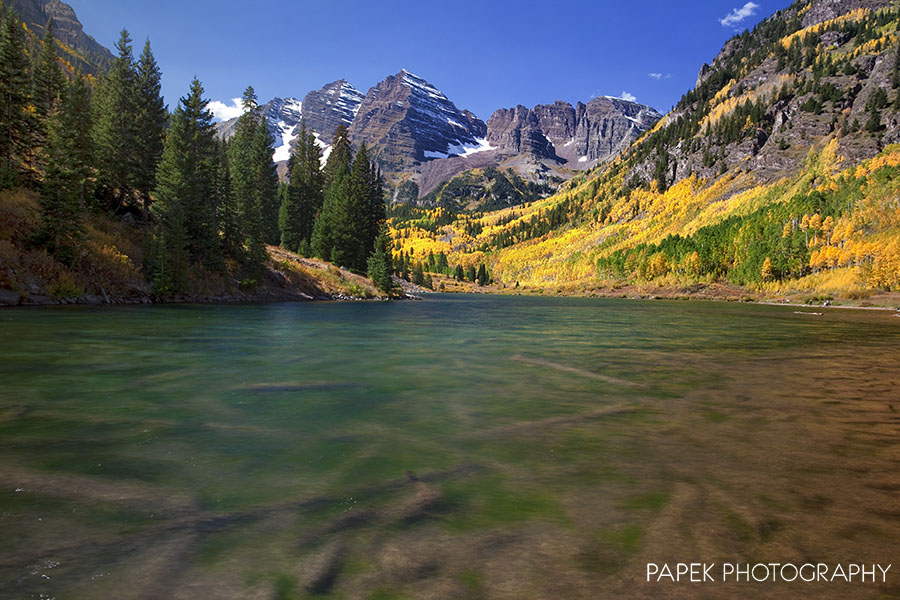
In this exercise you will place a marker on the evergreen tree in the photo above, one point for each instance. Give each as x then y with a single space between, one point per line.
266 183
115 127
356 226
376 209
873 125
470 274
48 79
244 170
199 198
303 199
459 273
483 278
418 274
151 118
67 154
14 99
226 207
661 172
328 237
186 226
77 128
341 154
380 263
47 89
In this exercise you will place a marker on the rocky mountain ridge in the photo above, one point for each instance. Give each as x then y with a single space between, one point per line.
422 140
84 51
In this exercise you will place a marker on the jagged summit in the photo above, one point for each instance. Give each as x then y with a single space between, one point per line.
408 121
335 104
416 133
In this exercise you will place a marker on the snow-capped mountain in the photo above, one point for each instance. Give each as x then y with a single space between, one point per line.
324 110
335 104
417 134
283 118
408 121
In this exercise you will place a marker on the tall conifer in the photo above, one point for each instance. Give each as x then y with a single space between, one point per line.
67 153
244 169
115 131
303 198
328 238
14 98
186 225
151 116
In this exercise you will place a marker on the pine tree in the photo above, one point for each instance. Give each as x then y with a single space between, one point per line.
115 132
482 276
459 273
376 209
244 169
151 116
873 125
328 241
380 263
14 98
356 227
470 274
48 79
303 199
77 125
341 154
418 274
226 207
266 183
186 226
200 196
67 169
47 89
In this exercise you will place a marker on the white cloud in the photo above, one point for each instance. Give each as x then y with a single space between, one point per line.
656 76
629 97
223 112
739 14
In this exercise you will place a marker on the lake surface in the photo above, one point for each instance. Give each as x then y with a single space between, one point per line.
458 447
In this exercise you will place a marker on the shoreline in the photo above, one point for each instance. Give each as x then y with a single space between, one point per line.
711 292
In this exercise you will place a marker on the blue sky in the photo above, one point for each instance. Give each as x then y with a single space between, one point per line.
483 55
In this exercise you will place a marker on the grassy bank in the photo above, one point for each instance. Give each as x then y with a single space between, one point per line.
108 267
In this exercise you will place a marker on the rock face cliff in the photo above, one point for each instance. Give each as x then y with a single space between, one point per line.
95 58
578 137
326 109
407 121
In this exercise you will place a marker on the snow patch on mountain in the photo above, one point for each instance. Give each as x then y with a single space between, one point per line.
326 148
288 135
462 150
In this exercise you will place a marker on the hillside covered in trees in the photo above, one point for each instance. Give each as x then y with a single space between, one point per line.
106 194
778 172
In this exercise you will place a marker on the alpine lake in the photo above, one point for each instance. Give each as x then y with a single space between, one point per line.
482 447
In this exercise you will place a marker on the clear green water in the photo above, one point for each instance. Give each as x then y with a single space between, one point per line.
459 447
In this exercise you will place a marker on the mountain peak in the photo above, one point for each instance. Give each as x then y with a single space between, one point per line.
410 121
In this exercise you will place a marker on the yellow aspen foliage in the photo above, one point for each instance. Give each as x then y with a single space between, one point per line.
657 266
691 264
788 230
884 271
767 274
853 15
828 227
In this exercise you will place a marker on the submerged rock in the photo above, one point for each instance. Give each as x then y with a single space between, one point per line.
318 572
